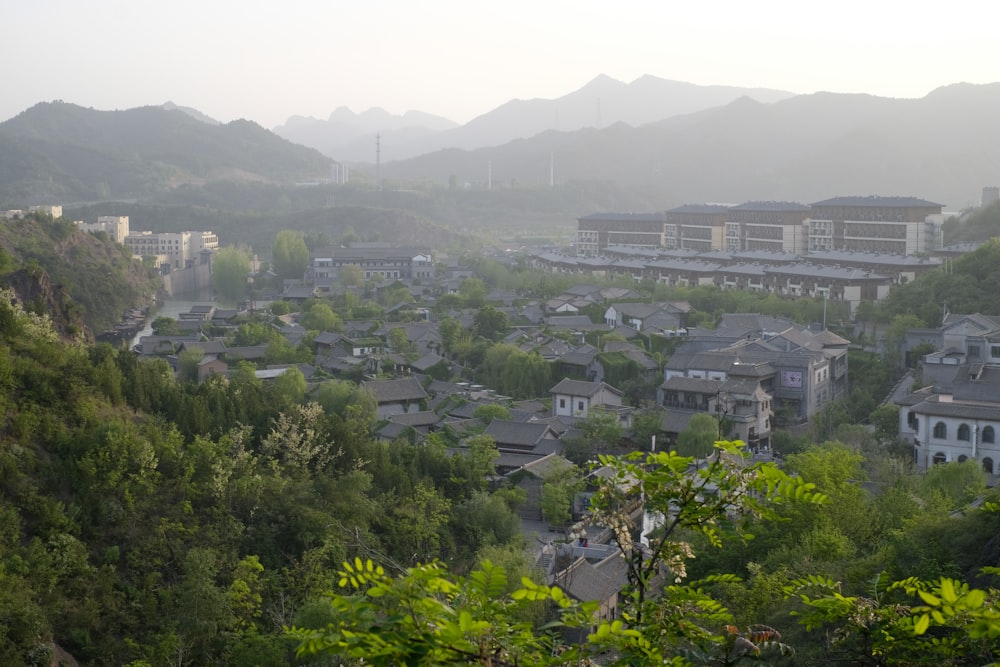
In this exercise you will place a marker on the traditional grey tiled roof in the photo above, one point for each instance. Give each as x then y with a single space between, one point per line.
586 583
516 434
581 356
581 387
392 391
416 419
206 346
327 338
934 407
392 430
572 322
248 352
428 360
984 387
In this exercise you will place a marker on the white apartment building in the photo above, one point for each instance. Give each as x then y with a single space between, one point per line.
889 225
115 226
177 250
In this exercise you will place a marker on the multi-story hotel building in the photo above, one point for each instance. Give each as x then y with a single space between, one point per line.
698 227
775 226
889 225
115 226
178 250
597 231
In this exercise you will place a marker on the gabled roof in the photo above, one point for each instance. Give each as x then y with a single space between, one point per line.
327 338
581 388
416 419
393 391
427 361
581 356
584 582
523 435
206 346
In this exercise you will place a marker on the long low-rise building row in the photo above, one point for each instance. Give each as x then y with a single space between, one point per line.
890 225
838 276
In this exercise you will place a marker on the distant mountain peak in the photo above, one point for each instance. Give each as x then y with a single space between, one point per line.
194 113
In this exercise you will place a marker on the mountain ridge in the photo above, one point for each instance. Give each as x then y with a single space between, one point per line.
601 101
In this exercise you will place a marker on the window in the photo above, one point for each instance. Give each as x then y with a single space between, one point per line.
940 430
995 351
988 465
579 405
963 432
989 435
562 402
963 458
939 458
973 352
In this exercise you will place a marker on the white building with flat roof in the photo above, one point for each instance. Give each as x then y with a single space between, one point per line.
176 249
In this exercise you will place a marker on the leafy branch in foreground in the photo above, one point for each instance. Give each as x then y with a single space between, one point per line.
427 617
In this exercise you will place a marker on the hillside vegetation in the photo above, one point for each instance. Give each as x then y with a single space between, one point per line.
59 152
97 274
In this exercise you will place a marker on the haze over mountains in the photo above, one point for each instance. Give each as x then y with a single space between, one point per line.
675 142
602 102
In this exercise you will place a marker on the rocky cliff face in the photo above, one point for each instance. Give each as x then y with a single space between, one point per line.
35 291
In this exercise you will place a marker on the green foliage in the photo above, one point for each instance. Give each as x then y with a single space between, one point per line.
698 439
446 620
901 622
490 411
320 317
230 270
489 322
289 254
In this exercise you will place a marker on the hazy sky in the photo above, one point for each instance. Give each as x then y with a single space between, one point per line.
268 60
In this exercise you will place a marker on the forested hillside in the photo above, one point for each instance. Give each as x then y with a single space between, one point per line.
59 152
146 519
98 275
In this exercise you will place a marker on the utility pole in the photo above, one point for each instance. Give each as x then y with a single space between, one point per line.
378 161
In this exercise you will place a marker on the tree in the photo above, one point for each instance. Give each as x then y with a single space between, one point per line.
351 275
290 254
320 317
698 439
646 424
289 388
682 619
489 322
230 270
426 617
188 361
472 292
450 620
487 412
450 330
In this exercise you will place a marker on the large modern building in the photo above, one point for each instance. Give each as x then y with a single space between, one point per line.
889 225
178 250
700 227
597 231
774 226
115 226
378 261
